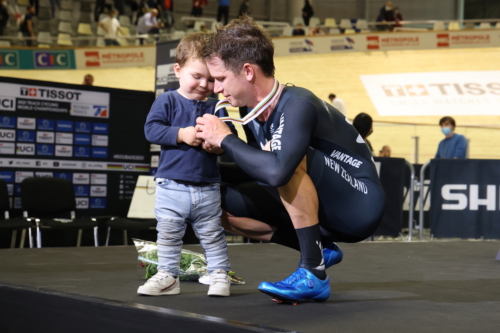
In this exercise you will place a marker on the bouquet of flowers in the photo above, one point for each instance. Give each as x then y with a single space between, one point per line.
193 266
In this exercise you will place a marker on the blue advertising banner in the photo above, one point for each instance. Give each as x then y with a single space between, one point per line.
465 198
37 59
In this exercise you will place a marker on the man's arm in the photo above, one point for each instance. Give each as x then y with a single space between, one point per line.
461 148
288 146
29 25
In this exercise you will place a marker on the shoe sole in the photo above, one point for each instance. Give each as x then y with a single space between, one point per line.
219 295
174 291
320 298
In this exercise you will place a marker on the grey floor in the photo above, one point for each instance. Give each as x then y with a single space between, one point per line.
379 287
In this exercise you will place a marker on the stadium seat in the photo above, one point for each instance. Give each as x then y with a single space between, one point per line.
469 26
345 24
349 31
65 27
314 22
297 20
334 31
438 25
287 31
485 25
44 46
44 37
66 5
65 15
178 35
4 43
362 25
198 25
454 25
330 23
24 3
64 39
497 26
84 29
44 14
124 41
124 21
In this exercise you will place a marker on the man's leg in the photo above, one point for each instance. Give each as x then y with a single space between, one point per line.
301 201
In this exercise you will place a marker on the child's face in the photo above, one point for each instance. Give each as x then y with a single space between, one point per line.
194 79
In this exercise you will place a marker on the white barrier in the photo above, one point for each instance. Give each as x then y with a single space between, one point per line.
114 57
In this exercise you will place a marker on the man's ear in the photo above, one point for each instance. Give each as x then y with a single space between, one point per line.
249 72
177 70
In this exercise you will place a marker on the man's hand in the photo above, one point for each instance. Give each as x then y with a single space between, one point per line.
211 129
188 136
211 149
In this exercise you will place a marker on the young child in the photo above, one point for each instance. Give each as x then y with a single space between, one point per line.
187 180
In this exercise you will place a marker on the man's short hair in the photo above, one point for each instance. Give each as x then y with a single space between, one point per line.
363 123
331 96
444 119
243 41
191 46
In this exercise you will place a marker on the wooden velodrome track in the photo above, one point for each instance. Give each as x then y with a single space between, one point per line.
339 73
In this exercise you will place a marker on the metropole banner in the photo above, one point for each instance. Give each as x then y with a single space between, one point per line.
115 57
37 59
465 198
27 97
468 93
385 41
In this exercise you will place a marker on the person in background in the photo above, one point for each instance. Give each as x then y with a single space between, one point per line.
111 26
363 123
453 145
244 8
223 10
316 32
385 152
298 31
4 16
88 80
148 24
27 27
385 15
307 12
143 9
337 103
398 16
197 10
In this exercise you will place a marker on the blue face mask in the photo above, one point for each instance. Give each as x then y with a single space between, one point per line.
446 130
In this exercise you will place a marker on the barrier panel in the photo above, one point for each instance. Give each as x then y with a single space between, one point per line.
465 198
37 59
115 57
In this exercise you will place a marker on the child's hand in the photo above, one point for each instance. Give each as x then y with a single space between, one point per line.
188 136
211 149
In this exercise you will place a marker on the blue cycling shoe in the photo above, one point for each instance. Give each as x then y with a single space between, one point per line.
332 255
302 285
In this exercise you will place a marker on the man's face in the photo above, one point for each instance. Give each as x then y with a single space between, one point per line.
447 123
234 87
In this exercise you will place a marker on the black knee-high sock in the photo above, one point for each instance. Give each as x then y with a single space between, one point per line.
311 250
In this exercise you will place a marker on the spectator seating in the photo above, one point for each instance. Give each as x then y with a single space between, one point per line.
334 31
44 37
345 24
314 22
66 5
24 3
454 25
64 39
65 27
297 20
485 25
362 25
4 43
330 23
349 31
287 31
438 26
497 26
124 21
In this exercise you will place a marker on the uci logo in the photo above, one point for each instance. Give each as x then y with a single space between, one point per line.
7 135
82 203
47 59
7 104
128 167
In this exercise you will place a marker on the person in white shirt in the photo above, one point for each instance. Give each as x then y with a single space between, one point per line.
148 24
111 26
338 103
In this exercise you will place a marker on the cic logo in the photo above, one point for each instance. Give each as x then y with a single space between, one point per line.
52 59
9 60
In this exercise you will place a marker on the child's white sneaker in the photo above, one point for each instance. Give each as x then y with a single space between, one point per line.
219 283
162 283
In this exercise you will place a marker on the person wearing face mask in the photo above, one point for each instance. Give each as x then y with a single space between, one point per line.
453 145
111 26
385 15
4 16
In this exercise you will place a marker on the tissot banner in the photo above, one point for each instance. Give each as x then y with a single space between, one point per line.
465 198
467 93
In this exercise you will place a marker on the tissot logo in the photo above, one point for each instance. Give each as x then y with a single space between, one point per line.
100 111
441 89
467 197
51 93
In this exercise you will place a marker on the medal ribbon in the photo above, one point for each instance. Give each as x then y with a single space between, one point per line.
264 104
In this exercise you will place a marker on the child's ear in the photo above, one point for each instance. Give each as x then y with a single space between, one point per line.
177 70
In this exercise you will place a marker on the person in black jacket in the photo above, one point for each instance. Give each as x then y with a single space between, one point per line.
307 12
4 16
27 27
